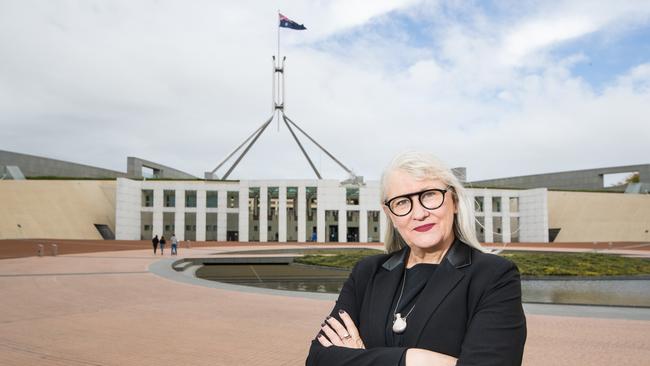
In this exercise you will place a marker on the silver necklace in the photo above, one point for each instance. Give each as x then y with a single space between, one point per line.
399 323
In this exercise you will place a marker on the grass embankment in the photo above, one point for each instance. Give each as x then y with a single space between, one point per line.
336 258
530 264
578 264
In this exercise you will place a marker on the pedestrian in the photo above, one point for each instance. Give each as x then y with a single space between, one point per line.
154 241
162 244
174 244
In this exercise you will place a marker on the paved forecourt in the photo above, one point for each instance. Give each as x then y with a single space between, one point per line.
129 308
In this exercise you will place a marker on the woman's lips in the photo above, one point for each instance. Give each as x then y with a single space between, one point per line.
424 228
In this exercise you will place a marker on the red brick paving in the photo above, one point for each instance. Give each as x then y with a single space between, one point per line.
107 309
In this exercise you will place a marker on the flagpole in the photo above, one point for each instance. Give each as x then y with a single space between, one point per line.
278 61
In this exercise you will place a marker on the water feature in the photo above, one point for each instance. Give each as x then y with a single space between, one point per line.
627 292
297 277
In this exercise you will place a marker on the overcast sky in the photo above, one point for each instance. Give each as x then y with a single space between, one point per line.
503 88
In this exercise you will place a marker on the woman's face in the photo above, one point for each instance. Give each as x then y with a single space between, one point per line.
424 229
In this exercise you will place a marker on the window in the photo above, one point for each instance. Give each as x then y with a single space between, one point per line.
352 196
190 198
233 199
212 199
211 225
169 198
273 202
480 228
496 204
514 229
497 229
292 200
147 198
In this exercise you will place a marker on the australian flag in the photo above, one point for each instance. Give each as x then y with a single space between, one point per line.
288 23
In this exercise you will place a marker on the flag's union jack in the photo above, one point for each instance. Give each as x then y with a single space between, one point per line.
288 23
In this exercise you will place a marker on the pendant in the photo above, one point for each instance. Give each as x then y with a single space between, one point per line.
399 324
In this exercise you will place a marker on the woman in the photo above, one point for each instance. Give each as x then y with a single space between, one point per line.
436 298
162 245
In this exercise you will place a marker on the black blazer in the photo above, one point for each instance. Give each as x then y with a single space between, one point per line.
473 311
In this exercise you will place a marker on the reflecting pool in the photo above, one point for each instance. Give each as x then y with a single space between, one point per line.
297 277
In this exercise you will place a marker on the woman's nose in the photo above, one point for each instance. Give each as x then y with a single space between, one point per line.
419 212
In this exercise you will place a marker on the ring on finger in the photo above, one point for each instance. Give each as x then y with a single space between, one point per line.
347 336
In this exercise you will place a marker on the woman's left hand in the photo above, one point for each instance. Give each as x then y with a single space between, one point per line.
342 335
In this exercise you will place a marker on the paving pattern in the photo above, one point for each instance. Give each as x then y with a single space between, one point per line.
111 308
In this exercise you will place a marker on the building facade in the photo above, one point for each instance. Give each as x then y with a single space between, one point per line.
300 210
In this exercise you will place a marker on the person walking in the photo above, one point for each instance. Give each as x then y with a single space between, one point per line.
154 241
174 244
162 244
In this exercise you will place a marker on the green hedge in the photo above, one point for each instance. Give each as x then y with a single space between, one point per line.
530 264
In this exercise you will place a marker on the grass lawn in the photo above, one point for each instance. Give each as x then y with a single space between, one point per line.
336 258
577 264
530 264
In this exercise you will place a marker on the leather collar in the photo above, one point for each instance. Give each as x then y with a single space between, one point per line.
459 256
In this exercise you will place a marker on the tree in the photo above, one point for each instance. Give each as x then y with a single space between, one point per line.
633 178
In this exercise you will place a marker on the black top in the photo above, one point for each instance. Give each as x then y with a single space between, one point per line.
416 278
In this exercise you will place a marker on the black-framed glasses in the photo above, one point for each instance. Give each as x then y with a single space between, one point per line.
429 199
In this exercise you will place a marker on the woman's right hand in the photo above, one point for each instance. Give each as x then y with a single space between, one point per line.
418 356
342 335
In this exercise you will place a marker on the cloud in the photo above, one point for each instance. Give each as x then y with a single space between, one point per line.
183 84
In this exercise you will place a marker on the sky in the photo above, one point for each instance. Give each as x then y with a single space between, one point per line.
503 88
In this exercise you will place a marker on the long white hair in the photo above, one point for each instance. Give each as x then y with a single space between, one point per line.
421 165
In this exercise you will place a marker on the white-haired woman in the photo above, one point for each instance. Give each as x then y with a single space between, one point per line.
435 298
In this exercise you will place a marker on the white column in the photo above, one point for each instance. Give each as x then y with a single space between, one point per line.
301 206
505 218
200 214
243 213
363 226
343 226
320 219
157 211
264 214
487 210
222 215
383 224
179 214
282 219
